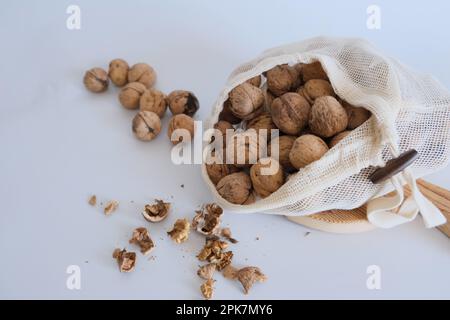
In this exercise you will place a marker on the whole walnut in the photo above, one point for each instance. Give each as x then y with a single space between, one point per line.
356 115
96 80
217 168
143 73
255 81
338 138
290 113
313 71
223 127
263 182
118 72
269 100
263 121
246 148
130 95
182 101
146 125
328 117
317 88
181 121
236 188
155 101
227 115
285 144
307 149
246 101
282 79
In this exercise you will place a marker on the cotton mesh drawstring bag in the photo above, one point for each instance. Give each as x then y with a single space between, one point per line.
409 111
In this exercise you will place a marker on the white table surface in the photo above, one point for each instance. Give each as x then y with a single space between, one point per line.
59 144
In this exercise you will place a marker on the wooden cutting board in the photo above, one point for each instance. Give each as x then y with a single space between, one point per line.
354 221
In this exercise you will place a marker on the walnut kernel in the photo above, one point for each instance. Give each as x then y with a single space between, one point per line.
207 220
110 207
207 289
180 231
142 238
248 276
206 272
93 200
156 212
125 259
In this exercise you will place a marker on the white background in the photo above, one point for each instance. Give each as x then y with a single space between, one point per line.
59 144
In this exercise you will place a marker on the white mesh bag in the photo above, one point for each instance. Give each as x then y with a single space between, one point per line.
410 111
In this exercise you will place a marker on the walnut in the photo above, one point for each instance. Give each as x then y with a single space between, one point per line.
317 88
110 207
143 240
264 183
143 73
245 148
307 149
356 115
181 121
284 144
290 113
226 233
282 79
223 127
206 272
180 231
235 188
207 220
130 95
156 212
263 121
181 101
224 260
93 200
313 71
338 138
146 125
255 81
230 272
227 115
207 289
248 276
269 100
328 117
126 260
153 100
118 72
96 80
213 252
216 171
246 101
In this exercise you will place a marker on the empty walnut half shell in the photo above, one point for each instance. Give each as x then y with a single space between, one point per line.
156 212
207 220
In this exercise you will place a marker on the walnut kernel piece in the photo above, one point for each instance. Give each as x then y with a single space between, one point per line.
156 212
126 260
142 238
110 207
206 272
248 276
180 231
207 220
226 233
213 253
207 289
230 272
93 200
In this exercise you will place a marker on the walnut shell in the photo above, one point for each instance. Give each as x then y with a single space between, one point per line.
263 121
235 188
181 121
318 88
156 212
313 71
223 127
246 101
143 73
290 113
218 169
96 80
307 149
146 125
118 72
246 148
255 81
227 115
282 79
285 144
130 95
338 138
155 101
328 117
265 184
356 115
182 101
269 100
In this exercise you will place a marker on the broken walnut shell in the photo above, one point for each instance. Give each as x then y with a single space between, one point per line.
206 271
156 212
142 238
248 276
207 220
125 259
207 289
180 231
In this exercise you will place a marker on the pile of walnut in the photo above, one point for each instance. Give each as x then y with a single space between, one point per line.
301 103
138 92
